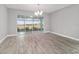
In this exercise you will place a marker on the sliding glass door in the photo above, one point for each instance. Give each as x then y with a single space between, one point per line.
28 24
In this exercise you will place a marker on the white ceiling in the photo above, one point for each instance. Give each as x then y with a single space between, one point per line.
48 8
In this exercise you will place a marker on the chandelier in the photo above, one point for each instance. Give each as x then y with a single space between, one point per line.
38 12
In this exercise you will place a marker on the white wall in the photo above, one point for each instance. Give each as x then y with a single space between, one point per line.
3 21
66 21
12 20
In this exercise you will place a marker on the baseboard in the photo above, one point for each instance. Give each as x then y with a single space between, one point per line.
6 37
3 39
62 35
11 35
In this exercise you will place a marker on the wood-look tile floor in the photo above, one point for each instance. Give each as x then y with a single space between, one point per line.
39 43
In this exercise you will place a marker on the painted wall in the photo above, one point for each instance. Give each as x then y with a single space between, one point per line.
66 21
3 21
12 20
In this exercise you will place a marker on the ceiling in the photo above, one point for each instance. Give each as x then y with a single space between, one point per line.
47 8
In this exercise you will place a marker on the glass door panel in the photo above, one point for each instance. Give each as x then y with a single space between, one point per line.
29 24
20 25
36 24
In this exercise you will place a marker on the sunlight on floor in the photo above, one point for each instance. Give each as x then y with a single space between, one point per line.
21 34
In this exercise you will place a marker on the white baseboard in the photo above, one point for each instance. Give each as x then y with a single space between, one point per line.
11 35
6 37
62 35
3 39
